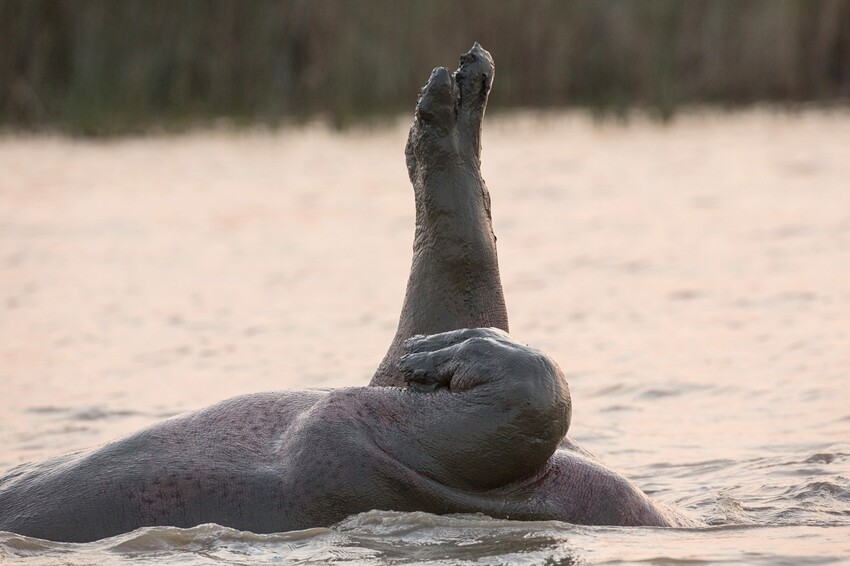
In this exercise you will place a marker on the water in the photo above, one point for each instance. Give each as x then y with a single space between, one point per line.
693 281
382 537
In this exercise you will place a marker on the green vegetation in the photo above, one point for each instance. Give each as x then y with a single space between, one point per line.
99 67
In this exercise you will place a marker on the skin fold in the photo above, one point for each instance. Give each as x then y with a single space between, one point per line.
459 417
481 411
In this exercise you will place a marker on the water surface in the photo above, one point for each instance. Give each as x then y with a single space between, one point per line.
692 280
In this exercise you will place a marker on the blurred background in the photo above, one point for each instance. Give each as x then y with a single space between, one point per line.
99 68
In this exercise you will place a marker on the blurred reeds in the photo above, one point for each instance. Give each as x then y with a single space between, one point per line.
96 67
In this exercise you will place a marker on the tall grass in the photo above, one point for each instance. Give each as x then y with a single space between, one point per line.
105 67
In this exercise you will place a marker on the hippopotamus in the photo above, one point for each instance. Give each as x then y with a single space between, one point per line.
460 417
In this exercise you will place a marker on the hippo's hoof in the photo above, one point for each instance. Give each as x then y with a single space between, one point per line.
450 110
448 360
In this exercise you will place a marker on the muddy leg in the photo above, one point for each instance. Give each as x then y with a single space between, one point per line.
454 278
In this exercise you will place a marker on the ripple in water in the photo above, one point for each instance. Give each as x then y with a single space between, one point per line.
698 309
381 537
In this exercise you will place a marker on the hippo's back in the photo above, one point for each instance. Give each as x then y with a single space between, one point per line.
214 465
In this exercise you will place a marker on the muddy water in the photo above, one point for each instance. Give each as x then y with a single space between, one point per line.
692 280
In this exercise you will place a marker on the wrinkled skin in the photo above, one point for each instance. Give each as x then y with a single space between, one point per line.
454 283
481 411
457 419
454 278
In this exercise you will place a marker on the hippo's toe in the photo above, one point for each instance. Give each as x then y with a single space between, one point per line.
474 78
438 101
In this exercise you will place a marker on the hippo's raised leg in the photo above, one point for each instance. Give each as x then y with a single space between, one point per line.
454 279
454 284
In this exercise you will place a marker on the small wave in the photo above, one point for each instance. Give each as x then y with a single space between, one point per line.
375 537
398 522
22 546
380 537
208 535
818 501
730 511
619 408
99 413
422 537
94 413
608 390
825 458
47 410
203 542
674 389
838 489
659 393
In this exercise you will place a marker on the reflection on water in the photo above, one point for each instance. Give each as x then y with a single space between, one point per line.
692 281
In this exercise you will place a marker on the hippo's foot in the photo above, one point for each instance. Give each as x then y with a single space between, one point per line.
463 359
498 408
446 130
451 360
454 280
443 149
